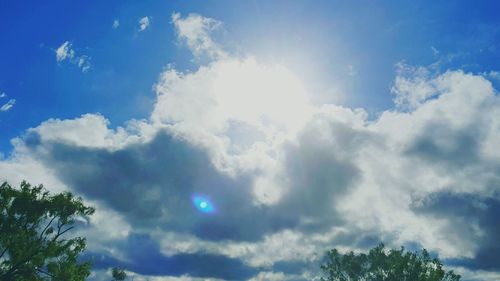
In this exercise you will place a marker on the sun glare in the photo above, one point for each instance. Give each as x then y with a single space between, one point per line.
261 95
203 204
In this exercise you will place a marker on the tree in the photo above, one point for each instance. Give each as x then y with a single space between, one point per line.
34 227
382 265
118 274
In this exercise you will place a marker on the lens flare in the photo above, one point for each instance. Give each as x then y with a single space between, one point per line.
203 204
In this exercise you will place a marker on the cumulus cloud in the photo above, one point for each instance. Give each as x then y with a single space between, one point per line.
475 220
195 31
289 179
65 52
147 260
143 23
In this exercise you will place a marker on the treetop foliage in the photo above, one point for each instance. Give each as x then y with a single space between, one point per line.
382 265
118 274
33 234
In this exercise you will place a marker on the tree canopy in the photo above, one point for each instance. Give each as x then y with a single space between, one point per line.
34 243
382 265
118 274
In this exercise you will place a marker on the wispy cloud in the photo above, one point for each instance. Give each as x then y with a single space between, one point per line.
435 51
65 52
7 106
84 63
494 75
144 23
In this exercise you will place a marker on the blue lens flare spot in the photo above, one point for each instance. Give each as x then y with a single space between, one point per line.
203 204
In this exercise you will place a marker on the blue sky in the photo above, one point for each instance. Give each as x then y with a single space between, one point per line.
284 110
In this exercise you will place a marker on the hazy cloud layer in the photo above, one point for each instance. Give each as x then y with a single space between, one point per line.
289 179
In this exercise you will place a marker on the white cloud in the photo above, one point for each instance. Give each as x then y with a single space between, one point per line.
23 167
7 106
105 275
84 63
116 24
282 246
66 52
412 87
143 23
269 276
402 169
483 275
91 130
234 106
196 31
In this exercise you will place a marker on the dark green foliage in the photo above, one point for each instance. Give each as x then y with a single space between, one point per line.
34 228
382 265
118 274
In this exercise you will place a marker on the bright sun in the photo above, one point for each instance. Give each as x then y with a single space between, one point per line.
264 96
260 94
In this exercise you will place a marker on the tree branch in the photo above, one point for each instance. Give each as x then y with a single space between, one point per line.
46 227
3 252
45 272
62 232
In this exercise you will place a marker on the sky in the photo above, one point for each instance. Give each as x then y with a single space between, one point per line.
239 140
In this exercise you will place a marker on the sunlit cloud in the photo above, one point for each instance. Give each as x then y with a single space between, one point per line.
64 52
196 31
